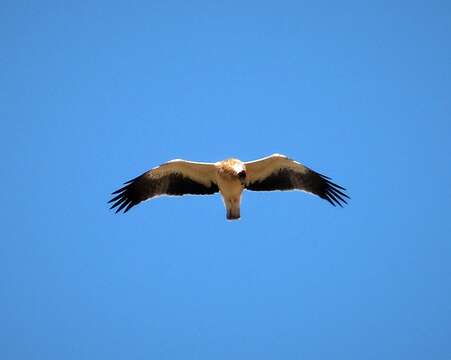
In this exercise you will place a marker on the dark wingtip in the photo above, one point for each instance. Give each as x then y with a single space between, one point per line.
329 200
115 198
124 204
119 190
323 176
328 180
130 205
131 180
117 203
334 193
335 198
121 200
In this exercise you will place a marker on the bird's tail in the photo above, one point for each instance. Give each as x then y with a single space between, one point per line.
233 213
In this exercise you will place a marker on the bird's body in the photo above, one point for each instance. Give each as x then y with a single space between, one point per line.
231 185
228 177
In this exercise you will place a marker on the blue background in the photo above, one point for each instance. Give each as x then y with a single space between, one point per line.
94 93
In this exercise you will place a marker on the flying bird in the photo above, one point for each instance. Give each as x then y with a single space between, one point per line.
228 177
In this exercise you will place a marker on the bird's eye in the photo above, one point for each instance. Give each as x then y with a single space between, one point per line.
242 175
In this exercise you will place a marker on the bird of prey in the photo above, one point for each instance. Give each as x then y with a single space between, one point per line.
228 177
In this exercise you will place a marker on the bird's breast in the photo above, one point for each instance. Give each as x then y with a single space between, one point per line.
229 186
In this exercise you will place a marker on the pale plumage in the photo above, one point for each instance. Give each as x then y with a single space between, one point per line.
229 177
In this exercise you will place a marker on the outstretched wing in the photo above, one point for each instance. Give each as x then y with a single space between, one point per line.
277 172
176 177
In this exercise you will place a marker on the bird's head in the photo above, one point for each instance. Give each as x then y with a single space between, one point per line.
242 176
233 169
239 170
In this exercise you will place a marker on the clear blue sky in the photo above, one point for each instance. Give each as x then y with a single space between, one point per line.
94 93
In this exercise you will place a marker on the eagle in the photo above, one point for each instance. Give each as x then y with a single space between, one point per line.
228 177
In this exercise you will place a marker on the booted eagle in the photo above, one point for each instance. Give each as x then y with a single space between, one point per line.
228 177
